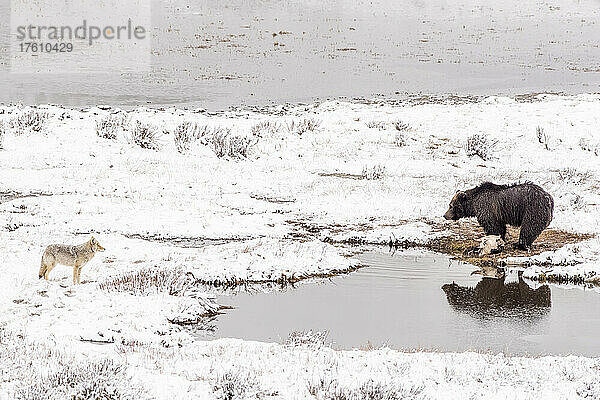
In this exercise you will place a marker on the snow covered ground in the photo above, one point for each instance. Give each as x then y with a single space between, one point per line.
236 369
265 197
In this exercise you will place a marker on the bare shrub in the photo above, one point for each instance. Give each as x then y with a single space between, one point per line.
308 338
542 137
190 306
13 226
145 135
219 142
586 145
574 176
2 134
239 146
381 125
41 370
577 202
373 173
30 120
150 281
380 391
183 137
330 388
400 139
187 133
235 384
226 144
265 128
401 126
479 145
303 126
109 126
317 387
87 380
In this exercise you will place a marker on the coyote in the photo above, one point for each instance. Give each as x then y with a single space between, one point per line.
74 256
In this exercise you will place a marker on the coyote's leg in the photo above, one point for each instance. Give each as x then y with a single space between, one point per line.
79 274
49 267
75 268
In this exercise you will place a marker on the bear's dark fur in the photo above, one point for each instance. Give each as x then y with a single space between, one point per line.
525 205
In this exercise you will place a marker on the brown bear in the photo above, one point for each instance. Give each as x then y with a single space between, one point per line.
525 205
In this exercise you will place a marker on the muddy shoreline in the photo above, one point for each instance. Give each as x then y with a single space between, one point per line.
460 241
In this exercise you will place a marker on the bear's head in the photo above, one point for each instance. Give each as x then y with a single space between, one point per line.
457 207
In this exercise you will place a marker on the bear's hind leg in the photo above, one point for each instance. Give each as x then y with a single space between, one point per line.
531 227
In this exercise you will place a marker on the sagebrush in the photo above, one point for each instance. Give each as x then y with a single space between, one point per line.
89 380
145 135
235 383
479 145
226 144
43 371
586 145
381 125
373 173
400 139
402 126
308 338
110 126
542 137
303 126
265 129
329 388
2 134
573 175
29 120
150 281
187 133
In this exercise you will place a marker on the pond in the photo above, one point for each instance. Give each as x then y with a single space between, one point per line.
421 300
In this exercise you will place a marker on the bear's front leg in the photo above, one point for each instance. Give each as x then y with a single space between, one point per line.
492 227
521 246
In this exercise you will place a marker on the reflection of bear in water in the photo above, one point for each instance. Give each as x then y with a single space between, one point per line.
494 297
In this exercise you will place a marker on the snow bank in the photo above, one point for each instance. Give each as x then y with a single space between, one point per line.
231 368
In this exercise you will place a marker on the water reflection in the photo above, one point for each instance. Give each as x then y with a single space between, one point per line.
396 301
496 298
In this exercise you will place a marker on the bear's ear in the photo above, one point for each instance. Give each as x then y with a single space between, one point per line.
460 195
456 197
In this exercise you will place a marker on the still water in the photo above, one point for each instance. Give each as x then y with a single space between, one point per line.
421 300
216 54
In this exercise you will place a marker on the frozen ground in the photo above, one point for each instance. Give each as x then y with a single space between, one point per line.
271 209
301 368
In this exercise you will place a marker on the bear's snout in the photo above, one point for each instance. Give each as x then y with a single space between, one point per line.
448 215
